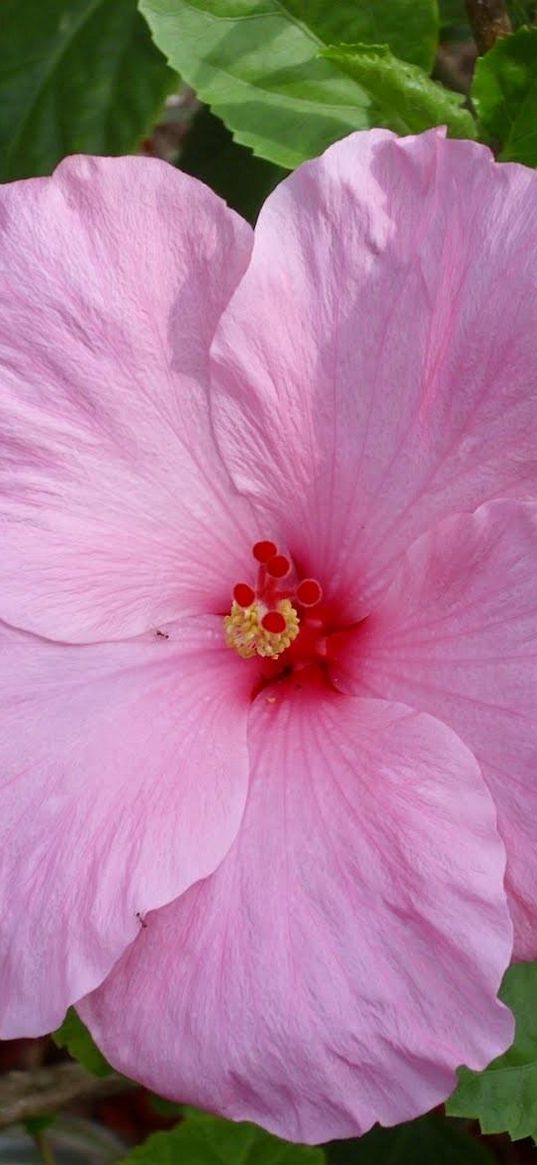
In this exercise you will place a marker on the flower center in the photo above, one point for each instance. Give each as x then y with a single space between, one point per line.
265 619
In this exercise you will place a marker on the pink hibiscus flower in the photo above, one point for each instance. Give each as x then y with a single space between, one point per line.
269 624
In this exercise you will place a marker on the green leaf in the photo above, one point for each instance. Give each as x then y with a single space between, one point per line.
504 1096
504 92
168 1108
257 64
37 1124
402 97
74 1036
521 11
75 75
207 1140
409 27
452 13
210 154
432 1140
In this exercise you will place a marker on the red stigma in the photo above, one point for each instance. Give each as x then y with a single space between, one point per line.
244 594
309 592
263 551
278 566
274 622
285 621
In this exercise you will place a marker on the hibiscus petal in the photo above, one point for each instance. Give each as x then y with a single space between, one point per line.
116 511
377 366
345 957
123 778
457 637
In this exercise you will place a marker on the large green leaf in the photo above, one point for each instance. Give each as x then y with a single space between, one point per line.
207 1140
75 75
521 11
402 97
454 19
504 92
504 1096
409 27
257 63
432 1140
74 1036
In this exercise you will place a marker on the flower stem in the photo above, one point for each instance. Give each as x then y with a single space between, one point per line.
44 1149
489 20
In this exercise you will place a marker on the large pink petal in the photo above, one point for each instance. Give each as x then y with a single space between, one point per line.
123 773
376 368
457 637
345 957
116 512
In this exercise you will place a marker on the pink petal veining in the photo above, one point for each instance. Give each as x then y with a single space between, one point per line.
394 384
326 914
114 274
456 636
113 800
345 956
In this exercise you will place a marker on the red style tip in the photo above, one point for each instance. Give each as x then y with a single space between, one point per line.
262 551
274 622
278 566
243 594
309 592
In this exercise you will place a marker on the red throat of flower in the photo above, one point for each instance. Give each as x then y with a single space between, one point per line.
278 614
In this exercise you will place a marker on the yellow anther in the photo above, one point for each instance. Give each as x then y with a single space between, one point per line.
246 635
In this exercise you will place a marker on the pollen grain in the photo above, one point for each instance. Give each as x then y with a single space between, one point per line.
248 636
